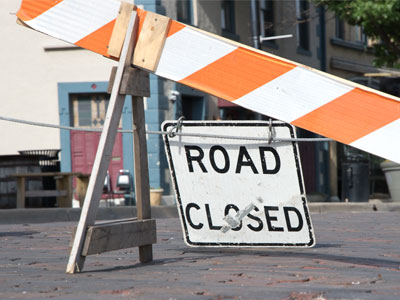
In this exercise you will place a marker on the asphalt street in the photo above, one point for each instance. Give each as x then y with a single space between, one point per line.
357 256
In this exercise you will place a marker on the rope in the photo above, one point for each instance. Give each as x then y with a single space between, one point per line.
171 133
58 126
249 138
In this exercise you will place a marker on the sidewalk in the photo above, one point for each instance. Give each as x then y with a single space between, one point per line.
356 257
46 215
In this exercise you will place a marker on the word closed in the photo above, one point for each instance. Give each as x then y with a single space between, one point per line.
267 219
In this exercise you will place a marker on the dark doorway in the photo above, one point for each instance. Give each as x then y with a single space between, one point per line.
193 107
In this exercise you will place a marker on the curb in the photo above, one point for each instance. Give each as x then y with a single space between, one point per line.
353 207
49 215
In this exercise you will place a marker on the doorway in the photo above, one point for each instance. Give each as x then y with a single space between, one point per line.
89 111
193 107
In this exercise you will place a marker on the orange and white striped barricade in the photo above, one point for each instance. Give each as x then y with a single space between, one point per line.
302 96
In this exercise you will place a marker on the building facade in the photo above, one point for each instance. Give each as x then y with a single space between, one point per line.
46 80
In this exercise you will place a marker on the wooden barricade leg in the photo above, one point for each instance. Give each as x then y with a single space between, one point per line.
142 187
104 152
61 201
68 187
64 182
21 192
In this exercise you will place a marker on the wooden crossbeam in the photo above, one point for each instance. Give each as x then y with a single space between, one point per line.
46 193
134 82
119 235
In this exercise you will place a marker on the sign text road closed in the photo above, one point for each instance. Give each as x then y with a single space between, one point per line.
238 192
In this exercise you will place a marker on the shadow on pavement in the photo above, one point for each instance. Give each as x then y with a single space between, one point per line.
370 262
17 233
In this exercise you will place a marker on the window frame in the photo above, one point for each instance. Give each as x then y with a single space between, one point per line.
181 6
303 27
267 9
228 16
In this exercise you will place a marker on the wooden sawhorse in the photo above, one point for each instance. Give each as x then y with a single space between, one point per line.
91 238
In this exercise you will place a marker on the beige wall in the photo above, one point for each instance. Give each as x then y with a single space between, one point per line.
29 77
209 16
243 22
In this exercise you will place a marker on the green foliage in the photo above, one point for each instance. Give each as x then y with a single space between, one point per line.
380 20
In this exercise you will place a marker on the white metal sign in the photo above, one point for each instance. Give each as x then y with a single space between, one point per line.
236 191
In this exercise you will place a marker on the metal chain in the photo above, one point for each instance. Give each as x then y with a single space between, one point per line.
174 131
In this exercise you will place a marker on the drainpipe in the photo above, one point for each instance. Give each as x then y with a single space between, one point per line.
322 38
332 148
255 35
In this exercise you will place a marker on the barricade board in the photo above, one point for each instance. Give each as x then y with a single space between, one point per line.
238 192
262 82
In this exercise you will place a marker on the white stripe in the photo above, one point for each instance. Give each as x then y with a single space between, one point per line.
188 51
72 20
293 94
384 142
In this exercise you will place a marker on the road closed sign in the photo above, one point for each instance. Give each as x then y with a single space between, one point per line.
234 188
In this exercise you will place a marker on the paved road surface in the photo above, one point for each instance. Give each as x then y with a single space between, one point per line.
357 257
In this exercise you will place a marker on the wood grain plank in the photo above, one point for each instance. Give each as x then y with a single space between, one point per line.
21 192
151 41
116 236
120 28
46 193
135 82
142 187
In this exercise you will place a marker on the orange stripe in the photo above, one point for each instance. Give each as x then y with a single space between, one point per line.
175 27
30 9
351 116
237 74
98 40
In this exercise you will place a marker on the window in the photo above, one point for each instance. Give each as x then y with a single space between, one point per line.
339 28
348 32
89 110
84 113
303 24
350 36
267 18
183 9
359 35
228 16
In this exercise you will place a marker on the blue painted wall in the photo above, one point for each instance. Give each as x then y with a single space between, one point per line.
155 107
64 91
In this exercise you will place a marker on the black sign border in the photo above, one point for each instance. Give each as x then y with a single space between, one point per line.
182 215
